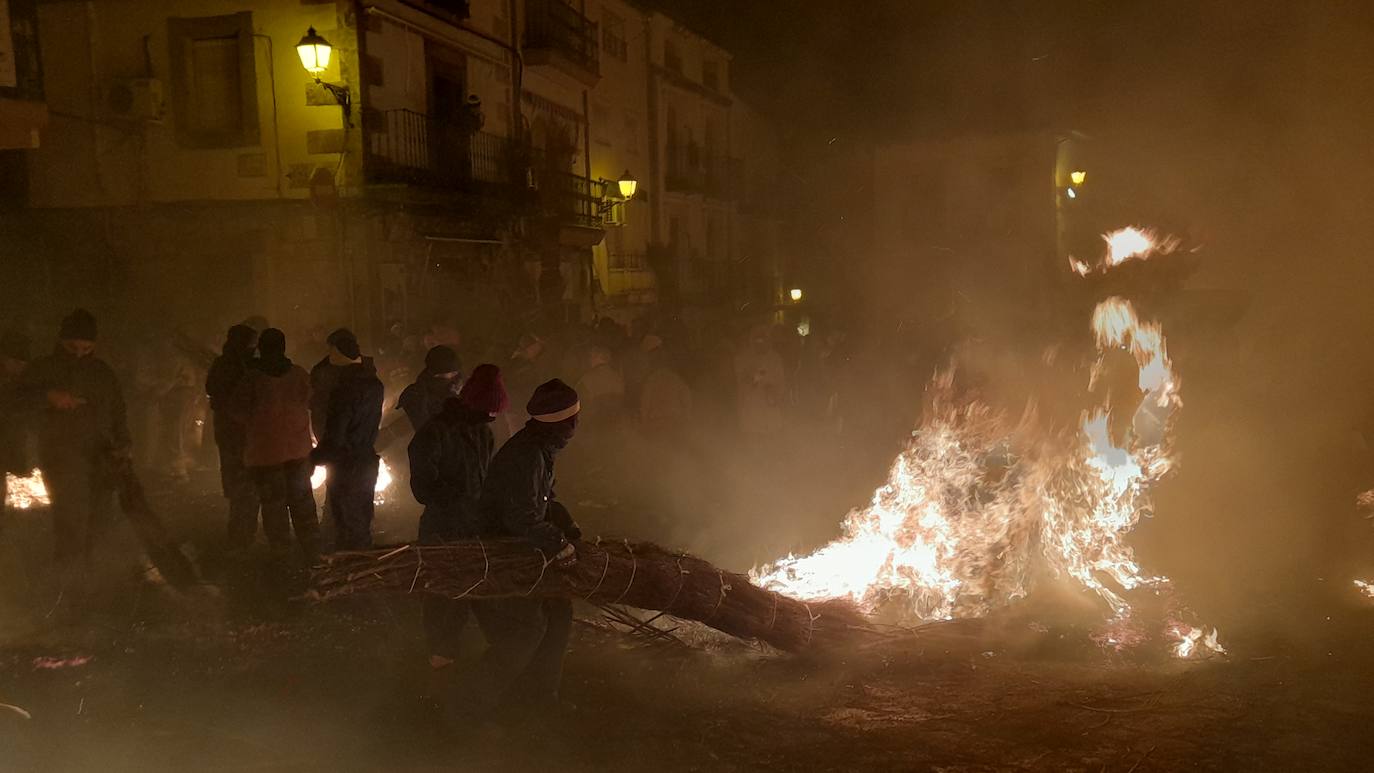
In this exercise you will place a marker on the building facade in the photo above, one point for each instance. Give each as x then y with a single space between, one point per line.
455 160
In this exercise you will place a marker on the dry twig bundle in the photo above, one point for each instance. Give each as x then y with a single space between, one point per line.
635 574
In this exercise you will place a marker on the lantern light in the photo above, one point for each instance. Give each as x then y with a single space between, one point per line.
1078 177
314 51
796 294
627 185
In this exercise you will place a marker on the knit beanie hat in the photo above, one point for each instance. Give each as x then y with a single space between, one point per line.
442 359
553 401
484 391
78 326
347 343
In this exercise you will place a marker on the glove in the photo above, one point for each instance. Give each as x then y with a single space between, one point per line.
559 516
565 558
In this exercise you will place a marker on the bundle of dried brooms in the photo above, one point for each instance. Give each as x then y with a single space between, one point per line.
634 574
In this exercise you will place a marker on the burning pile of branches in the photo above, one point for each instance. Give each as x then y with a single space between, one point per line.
969 506
635 574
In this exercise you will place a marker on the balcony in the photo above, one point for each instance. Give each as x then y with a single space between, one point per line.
403 146
690 170
573 202
559 36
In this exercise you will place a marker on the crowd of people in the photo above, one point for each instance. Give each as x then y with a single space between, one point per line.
477 467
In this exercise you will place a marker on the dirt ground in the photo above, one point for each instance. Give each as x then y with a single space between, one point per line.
152 680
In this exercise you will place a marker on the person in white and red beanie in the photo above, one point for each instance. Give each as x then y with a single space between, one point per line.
528 637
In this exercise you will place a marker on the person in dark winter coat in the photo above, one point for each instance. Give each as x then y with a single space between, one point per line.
272 403
82 431
226 373
448 463
528 637
436 383
344 352
347 443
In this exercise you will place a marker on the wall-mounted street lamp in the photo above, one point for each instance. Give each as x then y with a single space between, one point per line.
1078 177
795 294
315 52
626 186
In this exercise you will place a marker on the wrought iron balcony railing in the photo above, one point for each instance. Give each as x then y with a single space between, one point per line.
556 27
404 146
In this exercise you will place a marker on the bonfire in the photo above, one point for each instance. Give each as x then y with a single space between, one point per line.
972 505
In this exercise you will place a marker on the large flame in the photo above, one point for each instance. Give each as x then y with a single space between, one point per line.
954 530
24 493
384 480
1123 244
946 534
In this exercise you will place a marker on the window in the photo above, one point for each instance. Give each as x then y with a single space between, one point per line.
214 84
710 75
613 36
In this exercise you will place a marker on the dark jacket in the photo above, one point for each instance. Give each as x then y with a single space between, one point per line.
518 498
88 432
223 378
424 399
221 385
323 377
274 410
449 458
352 417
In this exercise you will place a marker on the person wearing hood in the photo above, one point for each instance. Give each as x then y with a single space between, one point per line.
448 464
221 384
82 431
272 403
528 637
347 438
438 382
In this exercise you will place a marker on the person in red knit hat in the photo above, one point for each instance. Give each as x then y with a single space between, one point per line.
485 391
448 464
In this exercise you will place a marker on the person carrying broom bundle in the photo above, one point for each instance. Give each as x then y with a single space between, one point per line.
527 637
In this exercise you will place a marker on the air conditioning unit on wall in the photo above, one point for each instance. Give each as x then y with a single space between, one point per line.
137 99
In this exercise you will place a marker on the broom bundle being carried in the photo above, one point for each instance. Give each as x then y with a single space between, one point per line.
640 575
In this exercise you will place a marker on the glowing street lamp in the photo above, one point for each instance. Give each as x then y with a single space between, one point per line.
796 294
628 185
1078 177
624 190
314 52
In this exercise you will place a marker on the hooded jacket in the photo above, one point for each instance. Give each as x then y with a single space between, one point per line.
449 458
90 430
222 380
424 399
273 404
353 415
519 490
